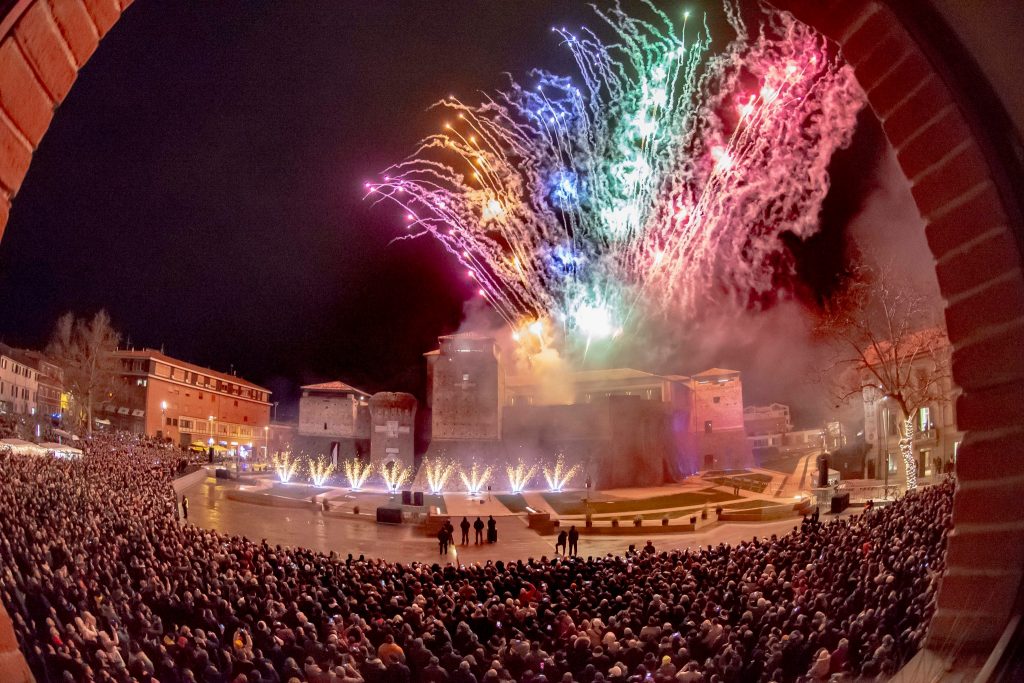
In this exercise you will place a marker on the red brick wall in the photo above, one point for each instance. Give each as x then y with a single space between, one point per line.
955 184
43 44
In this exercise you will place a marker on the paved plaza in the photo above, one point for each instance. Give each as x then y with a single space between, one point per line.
209 507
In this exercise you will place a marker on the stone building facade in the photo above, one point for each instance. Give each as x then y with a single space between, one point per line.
392 428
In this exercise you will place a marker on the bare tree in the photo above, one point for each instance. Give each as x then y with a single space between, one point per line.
886 336
85 348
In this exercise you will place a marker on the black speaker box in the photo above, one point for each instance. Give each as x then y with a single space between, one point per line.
389 516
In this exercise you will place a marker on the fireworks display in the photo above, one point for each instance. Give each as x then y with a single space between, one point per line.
475 478
286 466
320 471
394 475
437 472
658 177
357 472
559 474
519 475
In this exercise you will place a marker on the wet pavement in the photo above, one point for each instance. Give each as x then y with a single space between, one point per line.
309 528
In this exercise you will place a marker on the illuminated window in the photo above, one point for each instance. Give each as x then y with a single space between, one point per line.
924 419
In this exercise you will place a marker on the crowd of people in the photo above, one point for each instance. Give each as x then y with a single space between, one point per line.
104 583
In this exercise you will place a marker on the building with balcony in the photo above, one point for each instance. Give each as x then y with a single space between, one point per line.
19 383
51 401
767 421
188 404
937 437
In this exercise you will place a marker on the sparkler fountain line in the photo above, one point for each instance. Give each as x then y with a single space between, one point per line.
320 470
475 478
559 473
357 472
519 475
661 181
437 472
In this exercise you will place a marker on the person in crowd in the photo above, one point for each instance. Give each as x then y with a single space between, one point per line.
478 527
103 584
464 526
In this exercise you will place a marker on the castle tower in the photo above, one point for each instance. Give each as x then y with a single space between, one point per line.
466 385
392 427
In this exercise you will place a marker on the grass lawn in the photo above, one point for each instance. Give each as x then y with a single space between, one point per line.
749 504
754 481
571 503
513 501
746 504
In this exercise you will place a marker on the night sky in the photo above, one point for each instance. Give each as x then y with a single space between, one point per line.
203 182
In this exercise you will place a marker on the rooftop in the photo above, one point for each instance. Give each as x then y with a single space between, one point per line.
164 358
716 372
337 386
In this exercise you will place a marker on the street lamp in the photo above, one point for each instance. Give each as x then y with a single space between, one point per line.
266 447
882 424
163 417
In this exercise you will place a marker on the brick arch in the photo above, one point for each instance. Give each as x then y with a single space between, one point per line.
964 192
959 181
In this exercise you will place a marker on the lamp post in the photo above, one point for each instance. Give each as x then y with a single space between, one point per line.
163 417
266 447
883 436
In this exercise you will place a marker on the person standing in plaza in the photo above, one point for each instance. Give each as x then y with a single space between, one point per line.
574 541
442 540
492 530
465 530
561 541
184 507
478 526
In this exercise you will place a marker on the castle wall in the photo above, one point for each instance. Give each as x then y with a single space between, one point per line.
392 427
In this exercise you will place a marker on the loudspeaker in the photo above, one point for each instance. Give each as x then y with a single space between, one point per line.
840 502
417 499
389 516
822 471
406 497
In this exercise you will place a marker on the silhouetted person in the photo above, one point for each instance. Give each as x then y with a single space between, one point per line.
465 530
561 541
574 541
478 526
442 540
492 529
184 507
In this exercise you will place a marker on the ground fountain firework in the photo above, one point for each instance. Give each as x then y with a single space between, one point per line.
357 472
519 475
660 177
559 474
475 477
437 471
